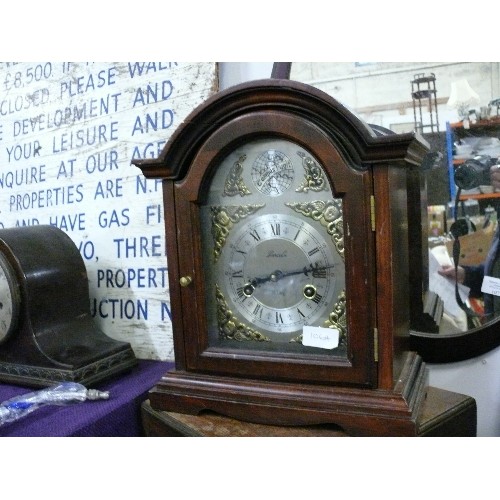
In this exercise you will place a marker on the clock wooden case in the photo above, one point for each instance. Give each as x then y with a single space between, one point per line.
288 227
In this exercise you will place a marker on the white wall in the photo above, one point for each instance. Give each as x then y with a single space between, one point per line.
475 377
232 73
380 92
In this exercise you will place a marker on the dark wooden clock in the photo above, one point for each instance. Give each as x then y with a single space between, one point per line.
288 229
47 333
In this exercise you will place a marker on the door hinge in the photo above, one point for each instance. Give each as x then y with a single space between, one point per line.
375 345
372 211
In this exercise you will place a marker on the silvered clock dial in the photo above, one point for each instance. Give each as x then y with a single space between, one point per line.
274 247
9 299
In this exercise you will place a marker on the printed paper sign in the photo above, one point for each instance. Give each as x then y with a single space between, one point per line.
325 338
68 134
491 285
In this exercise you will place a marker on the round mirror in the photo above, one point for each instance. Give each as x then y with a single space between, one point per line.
456 108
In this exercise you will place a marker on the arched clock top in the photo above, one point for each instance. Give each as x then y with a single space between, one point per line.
354 138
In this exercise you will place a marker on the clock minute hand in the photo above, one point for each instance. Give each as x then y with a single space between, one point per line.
278 275
312 269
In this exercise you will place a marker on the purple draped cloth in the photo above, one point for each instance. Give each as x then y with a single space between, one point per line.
120 415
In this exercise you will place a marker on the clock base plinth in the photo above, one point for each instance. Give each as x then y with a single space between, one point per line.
443 414
101 366
358 411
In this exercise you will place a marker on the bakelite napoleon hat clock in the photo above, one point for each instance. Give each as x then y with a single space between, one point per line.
288 224
47 333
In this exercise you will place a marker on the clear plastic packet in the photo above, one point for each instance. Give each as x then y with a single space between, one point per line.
61 394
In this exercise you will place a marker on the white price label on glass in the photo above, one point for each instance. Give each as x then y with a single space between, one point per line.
491 285
325 338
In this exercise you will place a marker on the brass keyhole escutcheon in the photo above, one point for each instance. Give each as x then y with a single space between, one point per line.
185 281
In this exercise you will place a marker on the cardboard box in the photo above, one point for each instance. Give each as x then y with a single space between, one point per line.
474 247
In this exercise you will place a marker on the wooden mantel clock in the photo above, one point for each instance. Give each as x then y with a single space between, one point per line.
288 225
47 332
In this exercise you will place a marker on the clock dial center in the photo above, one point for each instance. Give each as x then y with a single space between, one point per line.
279 274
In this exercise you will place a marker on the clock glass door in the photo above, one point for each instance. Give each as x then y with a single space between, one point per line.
273 253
